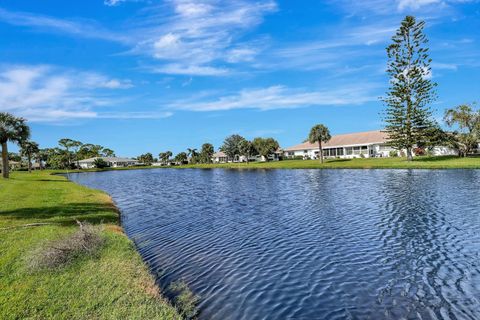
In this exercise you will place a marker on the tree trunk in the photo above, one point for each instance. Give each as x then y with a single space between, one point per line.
321 151
409 154
29 164
5 167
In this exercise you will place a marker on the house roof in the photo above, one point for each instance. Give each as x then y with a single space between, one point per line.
11 163
108 159
342 140
219 154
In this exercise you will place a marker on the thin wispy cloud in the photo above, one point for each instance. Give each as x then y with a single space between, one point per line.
45 93
83 29
392 7
282 97
201 37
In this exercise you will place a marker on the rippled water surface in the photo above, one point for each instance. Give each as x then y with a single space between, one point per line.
308 244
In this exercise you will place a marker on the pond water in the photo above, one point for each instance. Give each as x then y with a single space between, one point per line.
308 244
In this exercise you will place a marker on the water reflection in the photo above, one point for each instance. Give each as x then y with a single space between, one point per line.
309 244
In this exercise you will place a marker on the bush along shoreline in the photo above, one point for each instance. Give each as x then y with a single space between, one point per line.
66 257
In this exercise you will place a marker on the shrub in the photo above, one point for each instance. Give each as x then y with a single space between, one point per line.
85 241
393 153
419 151
100 163
183 298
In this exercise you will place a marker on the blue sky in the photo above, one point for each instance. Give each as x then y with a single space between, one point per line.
149 76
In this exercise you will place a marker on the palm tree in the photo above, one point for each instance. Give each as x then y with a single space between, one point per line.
192 153
168 155
165 156
67 144
319 134
41 157
29 149
12 129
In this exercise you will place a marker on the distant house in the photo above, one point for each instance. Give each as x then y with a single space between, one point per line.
219 157
353 145
113 162
12 165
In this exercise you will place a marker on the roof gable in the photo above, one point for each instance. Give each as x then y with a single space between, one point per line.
349 139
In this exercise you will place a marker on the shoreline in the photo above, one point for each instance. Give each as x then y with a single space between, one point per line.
431 163
43 206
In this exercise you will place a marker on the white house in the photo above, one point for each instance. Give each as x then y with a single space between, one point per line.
353 145
12 165
113 162
221 157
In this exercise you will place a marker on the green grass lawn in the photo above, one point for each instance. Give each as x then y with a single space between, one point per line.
357 163
115 284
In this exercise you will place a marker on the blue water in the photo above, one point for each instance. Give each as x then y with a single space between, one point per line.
308 244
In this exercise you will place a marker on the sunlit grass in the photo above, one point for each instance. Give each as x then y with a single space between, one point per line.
36 209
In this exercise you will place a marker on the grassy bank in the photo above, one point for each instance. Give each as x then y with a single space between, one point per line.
357 163
114 284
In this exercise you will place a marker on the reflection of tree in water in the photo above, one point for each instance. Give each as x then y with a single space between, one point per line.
420 244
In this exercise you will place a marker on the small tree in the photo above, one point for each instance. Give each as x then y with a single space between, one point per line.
146 159
247 149
106 152
165 156
100 163
231 145
11 129
168 155
68 145
41 157
28 150
207 152
265 146
411 89
181 158
89 150
319 134
467 121
193 154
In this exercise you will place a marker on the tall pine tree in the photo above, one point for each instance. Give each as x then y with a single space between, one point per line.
408 115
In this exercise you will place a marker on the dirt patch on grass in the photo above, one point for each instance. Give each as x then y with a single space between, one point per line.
87 240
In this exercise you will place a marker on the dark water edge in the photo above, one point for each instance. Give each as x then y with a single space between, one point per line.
308 244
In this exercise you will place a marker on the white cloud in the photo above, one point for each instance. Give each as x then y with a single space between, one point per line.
189 36
189 70
112 3
91 80
240 54
84 29
192 9
281 97
46 93
392 7
136 115
200 35
415 4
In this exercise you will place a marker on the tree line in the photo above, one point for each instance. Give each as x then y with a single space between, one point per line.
234 147
66 156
